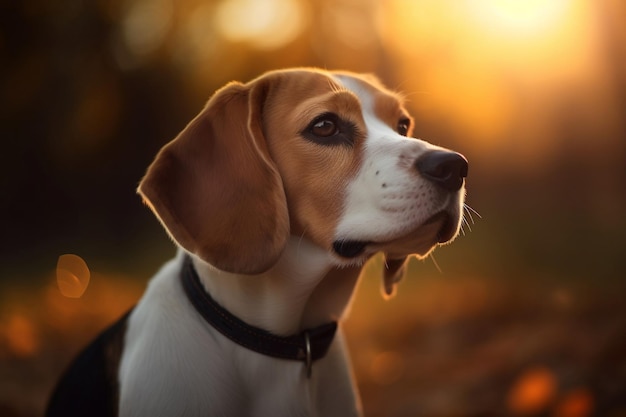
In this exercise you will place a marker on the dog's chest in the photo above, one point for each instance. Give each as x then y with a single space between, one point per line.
174 363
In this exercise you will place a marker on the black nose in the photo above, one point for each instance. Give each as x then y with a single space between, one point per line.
446 169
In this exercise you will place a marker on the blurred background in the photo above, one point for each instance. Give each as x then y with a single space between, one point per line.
523 315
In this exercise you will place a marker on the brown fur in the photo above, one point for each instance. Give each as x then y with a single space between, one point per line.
244 155
220 164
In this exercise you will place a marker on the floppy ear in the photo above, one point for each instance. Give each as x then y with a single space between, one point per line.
393 272
215 188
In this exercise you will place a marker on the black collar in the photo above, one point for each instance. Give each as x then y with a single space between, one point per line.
306 346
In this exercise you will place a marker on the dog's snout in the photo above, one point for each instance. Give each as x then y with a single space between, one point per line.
445 168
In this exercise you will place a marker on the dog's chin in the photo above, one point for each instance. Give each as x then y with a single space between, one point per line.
438 229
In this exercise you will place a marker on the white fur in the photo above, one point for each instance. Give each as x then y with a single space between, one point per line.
187 368
388 197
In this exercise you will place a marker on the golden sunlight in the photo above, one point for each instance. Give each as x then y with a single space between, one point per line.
534 38
479 66
521 18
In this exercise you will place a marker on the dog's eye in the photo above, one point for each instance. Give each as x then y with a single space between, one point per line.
324 127
403 126
329 129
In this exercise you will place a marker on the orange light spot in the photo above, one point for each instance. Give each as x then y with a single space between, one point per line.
72 275
21 335
386 368
576 403
533 391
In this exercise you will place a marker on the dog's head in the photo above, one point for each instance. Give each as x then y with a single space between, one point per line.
326 156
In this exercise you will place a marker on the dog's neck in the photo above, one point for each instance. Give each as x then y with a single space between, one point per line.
303 290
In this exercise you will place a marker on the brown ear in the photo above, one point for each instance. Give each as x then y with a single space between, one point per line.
215 188
393 271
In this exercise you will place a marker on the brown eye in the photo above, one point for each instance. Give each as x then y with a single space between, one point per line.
324 128
403 126
329 129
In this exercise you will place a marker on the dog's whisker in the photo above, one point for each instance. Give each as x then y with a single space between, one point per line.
469 211
467 220
468 214
474 211
432 257
466 223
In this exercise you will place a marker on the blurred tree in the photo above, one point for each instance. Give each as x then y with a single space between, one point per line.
77 131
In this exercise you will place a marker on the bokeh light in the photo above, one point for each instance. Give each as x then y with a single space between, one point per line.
532 392
266 24
489 67
527 19
72 275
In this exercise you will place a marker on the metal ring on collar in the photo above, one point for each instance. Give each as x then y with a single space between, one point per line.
309 361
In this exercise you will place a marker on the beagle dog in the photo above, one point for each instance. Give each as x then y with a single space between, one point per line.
276 194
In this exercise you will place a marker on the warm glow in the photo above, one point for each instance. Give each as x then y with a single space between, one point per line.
530 39
576 403
267 24
145 25
533 391
72 275
520 17
478 67
387 368
21 335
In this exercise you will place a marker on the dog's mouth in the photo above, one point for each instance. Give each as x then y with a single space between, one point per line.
350 248
438 229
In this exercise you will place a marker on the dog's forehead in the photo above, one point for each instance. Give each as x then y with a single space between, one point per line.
375 98
302 91
365 91
300 83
